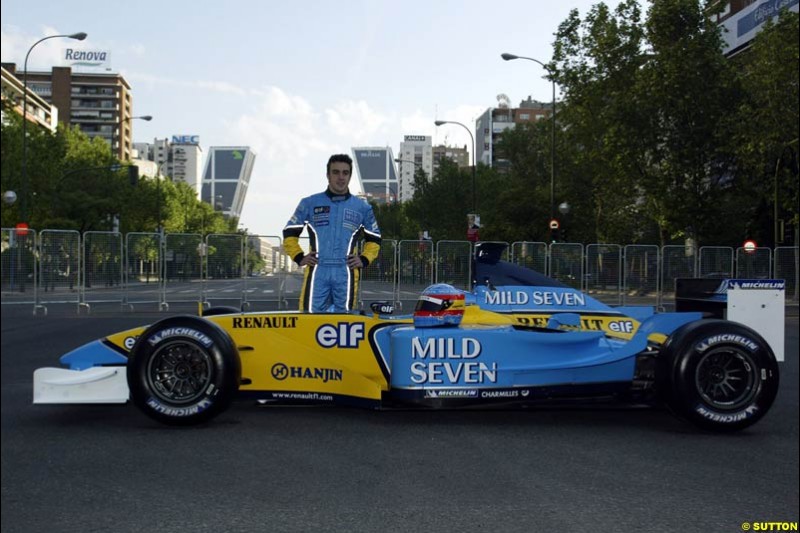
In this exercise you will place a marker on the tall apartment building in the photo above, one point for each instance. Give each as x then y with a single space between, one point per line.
99 103
496 120
416 151
226 178
374 167
179 158
460 156
39 111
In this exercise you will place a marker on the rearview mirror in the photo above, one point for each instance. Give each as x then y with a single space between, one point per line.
382 308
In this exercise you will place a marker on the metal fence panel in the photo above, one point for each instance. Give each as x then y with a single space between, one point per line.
603 278
64 266
506 255
143 269
532 255
787 266
754 264
415 271
641 274
454 264
292 277
262 283
566 263
18 270
183 267
677 262
377 280
225 269
102 268
59 267
716 262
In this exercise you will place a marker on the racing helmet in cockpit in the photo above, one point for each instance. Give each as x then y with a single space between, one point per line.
439 305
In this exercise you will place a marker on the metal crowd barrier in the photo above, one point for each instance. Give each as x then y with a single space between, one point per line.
148 271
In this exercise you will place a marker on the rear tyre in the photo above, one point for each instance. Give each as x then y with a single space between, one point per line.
183 371
719 375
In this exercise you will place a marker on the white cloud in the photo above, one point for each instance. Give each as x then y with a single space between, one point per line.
16 44
138 50
356 120
293 140
417 123
292 145
152 81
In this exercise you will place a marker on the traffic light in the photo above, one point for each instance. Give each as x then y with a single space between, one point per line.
133 175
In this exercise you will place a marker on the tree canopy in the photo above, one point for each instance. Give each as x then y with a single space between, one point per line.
76 183
660 137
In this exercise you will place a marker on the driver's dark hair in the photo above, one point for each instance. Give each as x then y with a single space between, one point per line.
340 158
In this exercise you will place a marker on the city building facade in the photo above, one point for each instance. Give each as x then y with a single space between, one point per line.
179 158
39 110
375 170
416 152
496 120
226 178
459 155
100 104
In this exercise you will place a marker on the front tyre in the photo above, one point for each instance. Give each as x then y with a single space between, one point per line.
719 375
183 371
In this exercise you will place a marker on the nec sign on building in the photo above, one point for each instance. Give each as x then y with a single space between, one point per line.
185 139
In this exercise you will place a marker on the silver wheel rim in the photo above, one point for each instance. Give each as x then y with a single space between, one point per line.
179 372
726 378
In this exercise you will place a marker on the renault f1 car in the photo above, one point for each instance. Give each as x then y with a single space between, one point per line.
518 338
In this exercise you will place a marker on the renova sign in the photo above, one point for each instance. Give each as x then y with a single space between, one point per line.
185 139
87 58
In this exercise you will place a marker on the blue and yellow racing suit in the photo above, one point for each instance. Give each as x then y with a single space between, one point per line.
335 224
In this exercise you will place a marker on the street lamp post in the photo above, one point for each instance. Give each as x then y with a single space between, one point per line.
563 208
24 204
786 148
120 135
472 137
509 57
160 229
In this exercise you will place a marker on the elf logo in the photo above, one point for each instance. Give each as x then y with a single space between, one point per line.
341 335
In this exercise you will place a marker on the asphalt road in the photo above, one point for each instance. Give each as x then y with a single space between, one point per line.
109 468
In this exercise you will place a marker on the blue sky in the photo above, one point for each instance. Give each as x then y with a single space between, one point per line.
298 81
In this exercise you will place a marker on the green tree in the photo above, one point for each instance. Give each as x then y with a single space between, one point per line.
767 124
646 114
440 206
393 221
597 61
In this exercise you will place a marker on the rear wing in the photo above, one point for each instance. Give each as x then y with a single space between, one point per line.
756 303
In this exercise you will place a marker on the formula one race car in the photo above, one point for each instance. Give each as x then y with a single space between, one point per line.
518 338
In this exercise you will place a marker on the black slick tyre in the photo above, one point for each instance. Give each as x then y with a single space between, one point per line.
183 371
719 375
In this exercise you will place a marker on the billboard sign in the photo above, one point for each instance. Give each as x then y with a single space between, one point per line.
87 58
185 139
740 28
